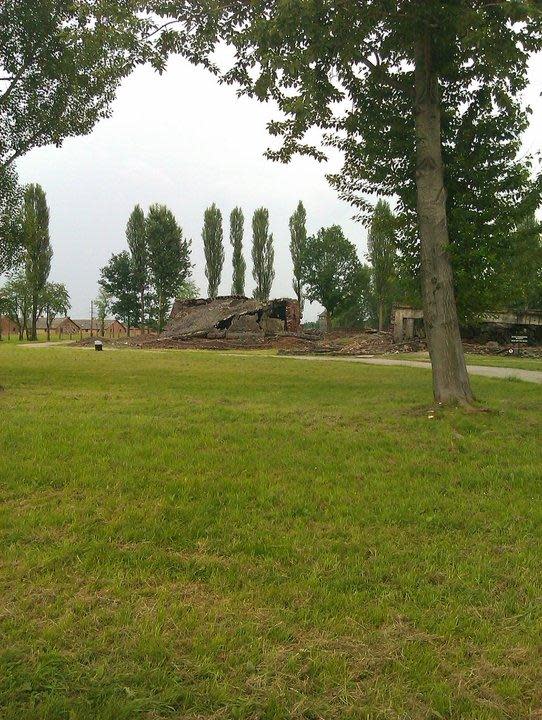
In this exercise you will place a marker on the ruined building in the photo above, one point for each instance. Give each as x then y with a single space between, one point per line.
407 323
232 317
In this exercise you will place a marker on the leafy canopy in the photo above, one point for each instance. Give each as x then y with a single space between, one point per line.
213 247
169 257
16 300
55 301
61 63
347 70
331 269
237 221
136 237
118 281
11 196
298 238
263 254
382 254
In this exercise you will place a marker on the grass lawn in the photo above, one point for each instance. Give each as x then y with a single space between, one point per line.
207 537
509 361
42 338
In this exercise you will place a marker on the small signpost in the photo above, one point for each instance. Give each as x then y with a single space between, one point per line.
518 341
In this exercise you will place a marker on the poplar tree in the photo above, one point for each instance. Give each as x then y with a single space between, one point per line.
421 97
169 257
382 256
298 238
263 254
136 236
213 247
37 248
238 261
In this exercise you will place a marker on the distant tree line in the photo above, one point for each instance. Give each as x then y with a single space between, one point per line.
138 284
141 283
25 258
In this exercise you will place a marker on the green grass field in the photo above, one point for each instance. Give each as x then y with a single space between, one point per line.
42 338
195 536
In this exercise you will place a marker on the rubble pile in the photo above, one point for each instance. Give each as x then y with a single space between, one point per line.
495 348
232 317
241 334
365 343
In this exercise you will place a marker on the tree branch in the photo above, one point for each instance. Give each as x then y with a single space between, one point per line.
15 79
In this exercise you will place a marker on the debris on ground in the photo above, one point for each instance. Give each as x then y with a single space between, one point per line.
310 342
362 343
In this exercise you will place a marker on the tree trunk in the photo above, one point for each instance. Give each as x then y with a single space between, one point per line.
380 315
328 321
161 313
450 379
34 318
142 301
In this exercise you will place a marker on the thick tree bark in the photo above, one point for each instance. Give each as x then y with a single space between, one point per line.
450 378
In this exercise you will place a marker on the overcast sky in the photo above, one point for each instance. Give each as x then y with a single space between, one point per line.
184 140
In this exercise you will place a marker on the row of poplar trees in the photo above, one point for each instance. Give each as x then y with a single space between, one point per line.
263 253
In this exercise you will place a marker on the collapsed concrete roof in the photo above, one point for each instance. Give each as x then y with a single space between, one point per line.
231 316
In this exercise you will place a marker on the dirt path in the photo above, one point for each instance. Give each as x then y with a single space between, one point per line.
503 373
51 343
534 376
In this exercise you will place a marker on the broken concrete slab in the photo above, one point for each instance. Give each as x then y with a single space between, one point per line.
218 317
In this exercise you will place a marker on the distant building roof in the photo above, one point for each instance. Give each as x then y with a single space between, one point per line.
84 323
41 323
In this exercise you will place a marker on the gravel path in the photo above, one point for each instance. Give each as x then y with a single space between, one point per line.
534 376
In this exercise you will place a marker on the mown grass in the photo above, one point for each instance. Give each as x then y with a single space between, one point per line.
201 536
42 338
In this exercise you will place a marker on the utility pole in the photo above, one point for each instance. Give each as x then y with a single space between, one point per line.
92 318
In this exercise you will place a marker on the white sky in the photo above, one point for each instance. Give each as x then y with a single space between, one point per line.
184 140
